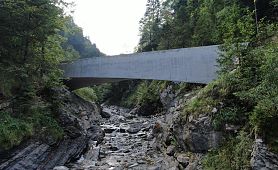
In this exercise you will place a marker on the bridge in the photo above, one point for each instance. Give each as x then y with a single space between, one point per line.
192 65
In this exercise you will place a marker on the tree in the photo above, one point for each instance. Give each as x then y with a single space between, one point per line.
30 47
76 42
150 26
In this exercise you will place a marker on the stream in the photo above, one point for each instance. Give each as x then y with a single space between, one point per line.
129 143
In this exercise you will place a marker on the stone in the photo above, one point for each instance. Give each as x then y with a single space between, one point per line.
105 114
93 154
157 128
109 129
133 165
134 128
141 162
198 135
183 159
96 133
60 168
167 97
170 150
114 148
231 128
262 158
197 142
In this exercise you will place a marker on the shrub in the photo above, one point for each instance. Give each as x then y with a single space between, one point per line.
87 93
94 94
13 130
45 124
146 93
234 154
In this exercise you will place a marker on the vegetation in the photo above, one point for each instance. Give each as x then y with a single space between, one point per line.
145 93
13 129
234 154
96 94
36 37
246 92
75 44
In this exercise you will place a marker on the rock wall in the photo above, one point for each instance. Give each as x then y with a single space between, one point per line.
79 120
188 140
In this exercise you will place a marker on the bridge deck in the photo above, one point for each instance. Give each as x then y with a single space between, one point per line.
193 65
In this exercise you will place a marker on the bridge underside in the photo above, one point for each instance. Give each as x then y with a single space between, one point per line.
192 65
76 83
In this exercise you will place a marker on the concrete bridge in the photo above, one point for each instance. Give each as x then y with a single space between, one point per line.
192 65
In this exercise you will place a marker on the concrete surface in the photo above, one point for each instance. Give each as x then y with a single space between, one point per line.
192 65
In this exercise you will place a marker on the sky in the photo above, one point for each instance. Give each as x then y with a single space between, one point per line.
113 25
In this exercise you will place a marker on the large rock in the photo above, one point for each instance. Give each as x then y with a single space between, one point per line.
76 117
134 128
262 158
183 159
196 135
167 97
96 133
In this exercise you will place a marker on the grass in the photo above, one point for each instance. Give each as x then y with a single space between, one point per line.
14 130
205 100
235 153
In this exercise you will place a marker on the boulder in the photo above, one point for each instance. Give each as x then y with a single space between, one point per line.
170 150
134 128
96 133
60 168
167 97
196 135
105 114
262 158
183 159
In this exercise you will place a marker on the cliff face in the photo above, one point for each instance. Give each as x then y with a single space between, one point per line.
190 139
77 117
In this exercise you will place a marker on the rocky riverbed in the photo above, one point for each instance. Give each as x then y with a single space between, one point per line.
130 142
111 137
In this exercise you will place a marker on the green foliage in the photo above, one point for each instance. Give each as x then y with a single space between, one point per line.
275 3
28 48
150 26
207 98
94 94
179 24
233 155
44 123
87 93
102 92
13 130
146 93
76 45
39 122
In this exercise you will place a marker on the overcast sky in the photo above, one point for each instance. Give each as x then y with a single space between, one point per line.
112 24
